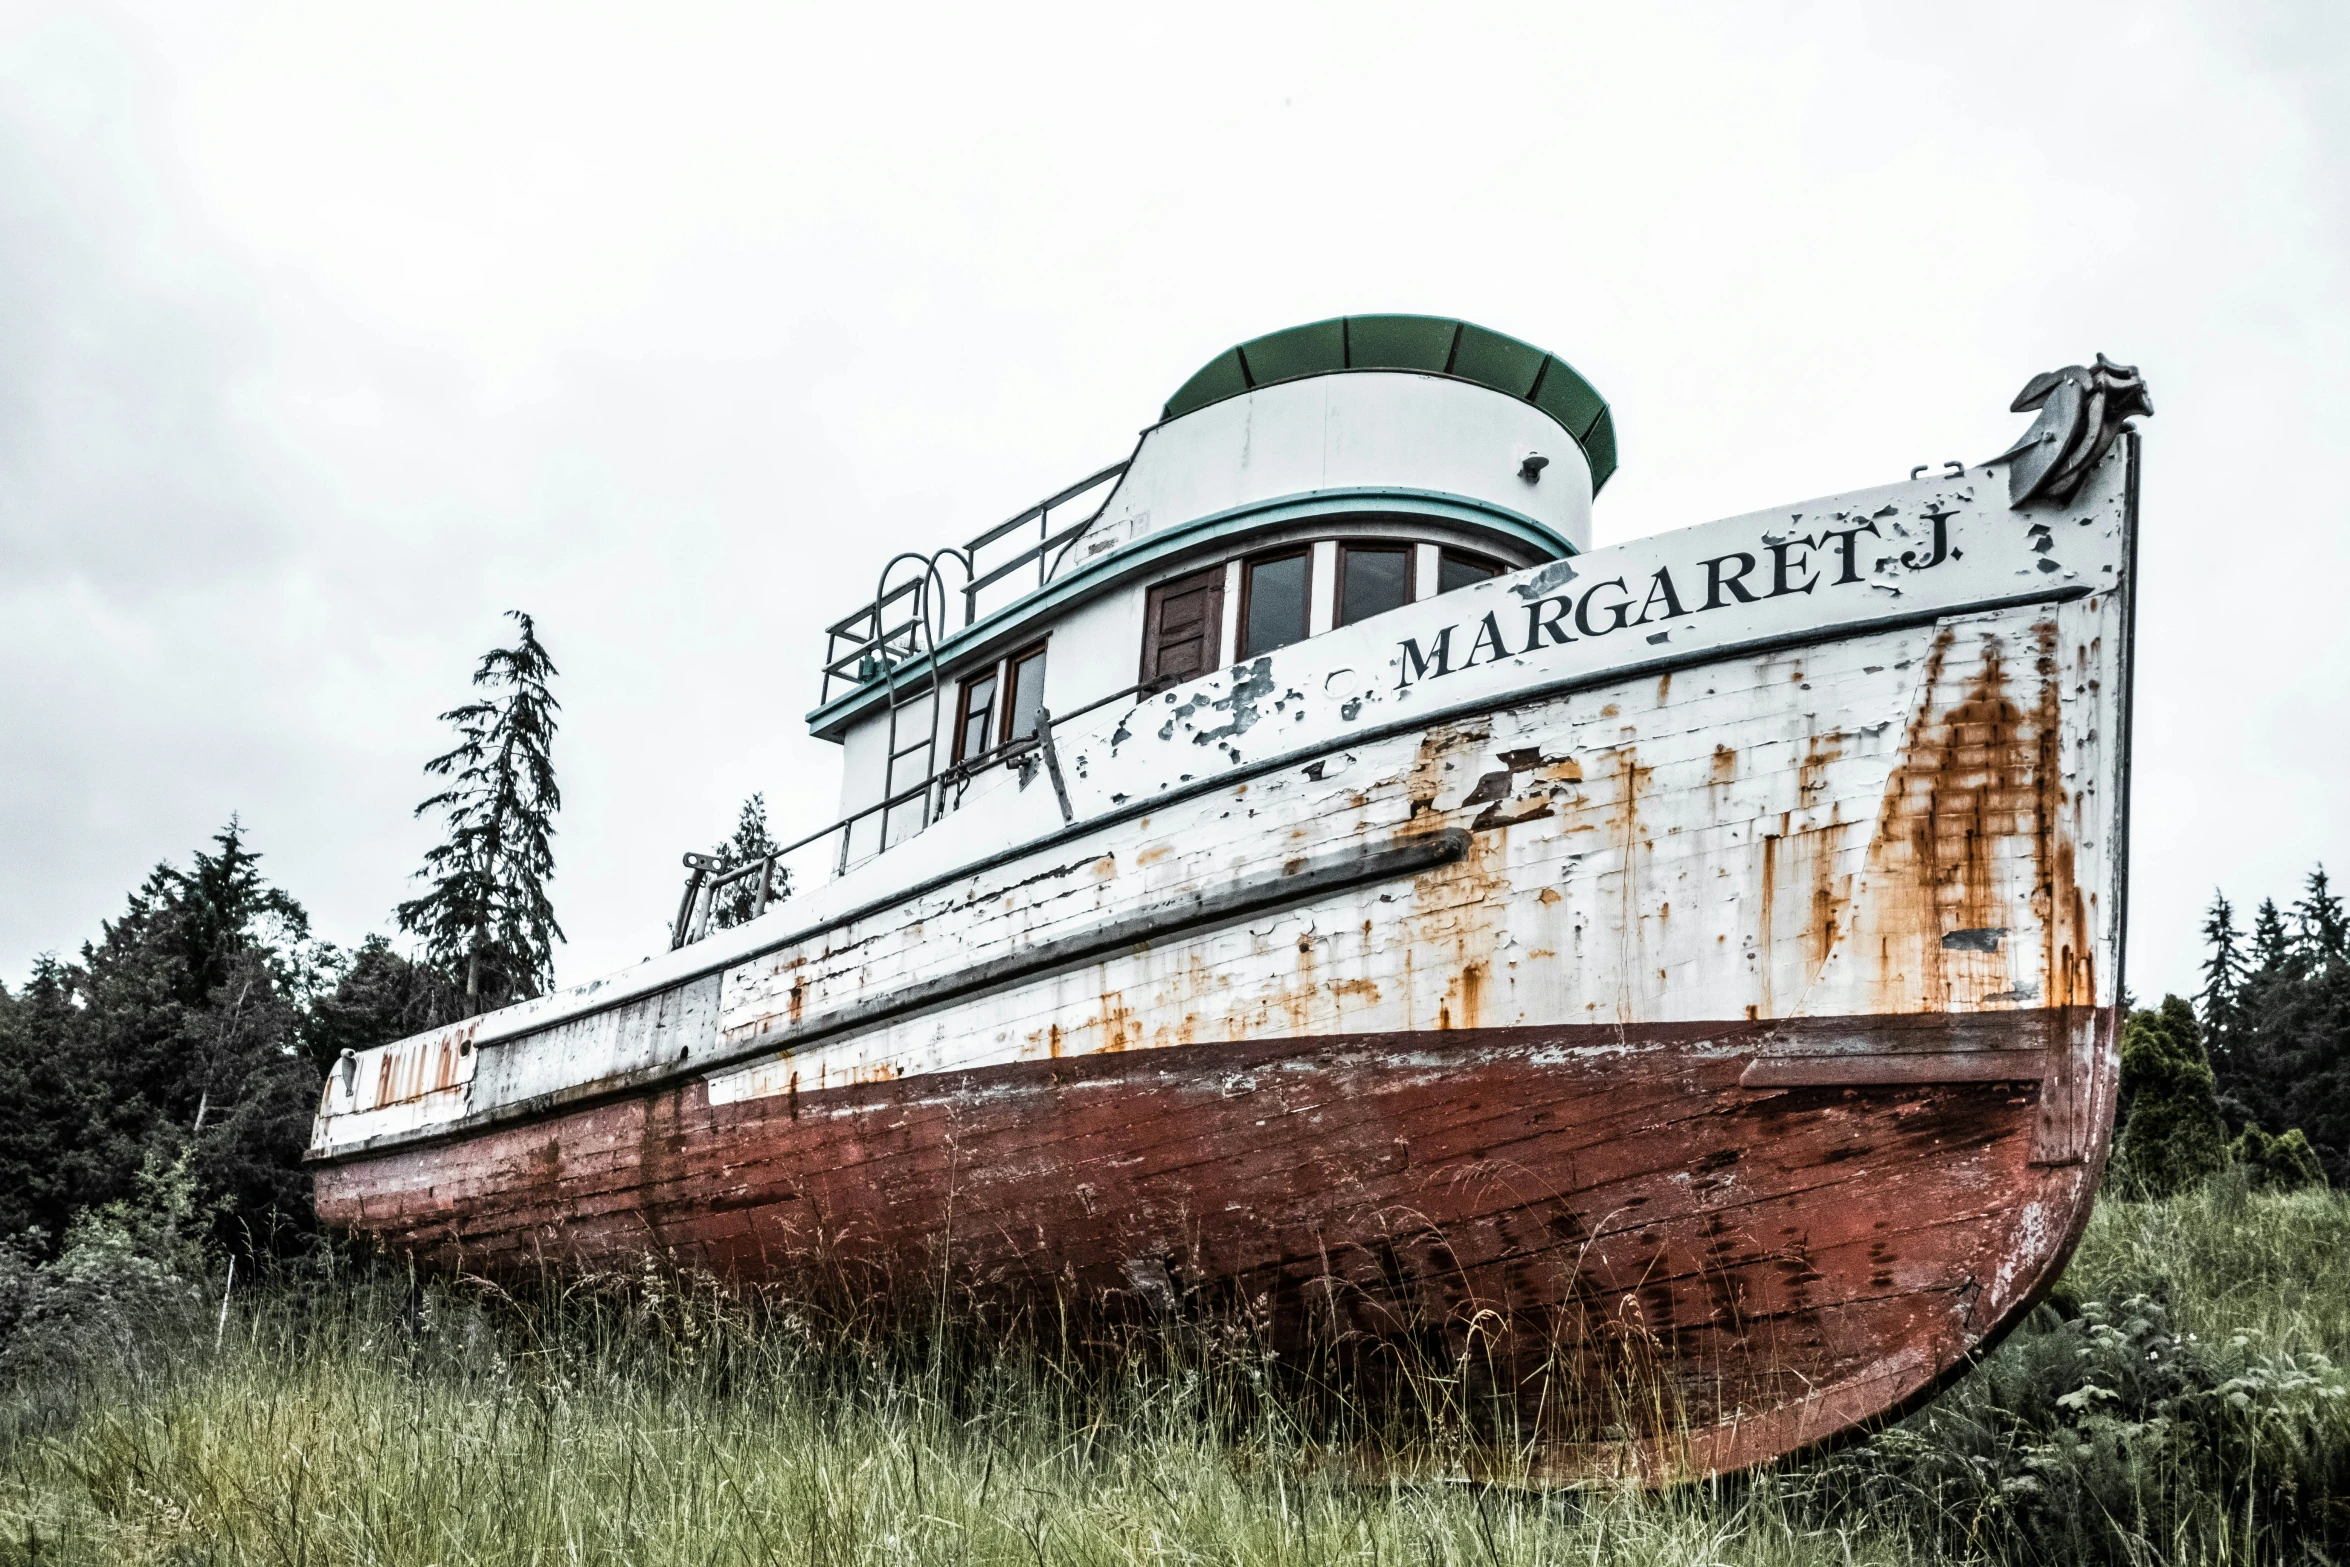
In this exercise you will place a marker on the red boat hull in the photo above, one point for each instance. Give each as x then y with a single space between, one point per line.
1778 1228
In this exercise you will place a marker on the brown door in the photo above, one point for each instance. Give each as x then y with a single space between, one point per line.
1181 626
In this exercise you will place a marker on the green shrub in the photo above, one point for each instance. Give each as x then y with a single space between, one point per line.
2110 1436
2173 1137
2284 1163
123 1296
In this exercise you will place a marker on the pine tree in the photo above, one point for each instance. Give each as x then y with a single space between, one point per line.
2223 972
2284 1056
43 1102
739 904
488 923
2322 926
2272 944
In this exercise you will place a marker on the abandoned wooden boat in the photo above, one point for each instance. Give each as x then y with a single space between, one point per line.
1292 866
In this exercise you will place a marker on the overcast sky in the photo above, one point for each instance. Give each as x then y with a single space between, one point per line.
327 333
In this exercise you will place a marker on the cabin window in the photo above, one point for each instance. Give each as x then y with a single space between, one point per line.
1182 624
1024 694
1273 602
1372 579
1458 568
975 715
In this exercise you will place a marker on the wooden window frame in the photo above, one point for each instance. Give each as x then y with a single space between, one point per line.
1210 577
1408 548
963 713
1008 686
1303 550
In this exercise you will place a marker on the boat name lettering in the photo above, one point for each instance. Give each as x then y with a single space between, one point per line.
1775 569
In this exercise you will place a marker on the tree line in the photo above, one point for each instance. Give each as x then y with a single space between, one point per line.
199 1025
2255 1071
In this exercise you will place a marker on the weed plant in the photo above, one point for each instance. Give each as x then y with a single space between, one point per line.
2177 1401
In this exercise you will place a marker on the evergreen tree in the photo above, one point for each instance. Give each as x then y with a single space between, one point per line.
2286 1055
2173 1137
42 1102
739 903
487 923
174 1037
2223 971
2272 944
2319 916
379 996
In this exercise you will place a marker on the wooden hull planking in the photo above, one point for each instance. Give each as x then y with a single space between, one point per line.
1771 1263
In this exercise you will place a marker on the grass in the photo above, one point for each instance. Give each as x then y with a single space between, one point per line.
2173 1405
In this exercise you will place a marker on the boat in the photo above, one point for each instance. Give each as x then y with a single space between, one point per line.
1293 867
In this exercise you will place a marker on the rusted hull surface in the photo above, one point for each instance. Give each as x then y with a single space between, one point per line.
1724 990
1783 1260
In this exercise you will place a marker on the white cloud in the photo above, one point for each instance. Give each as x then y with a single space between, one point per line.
327 334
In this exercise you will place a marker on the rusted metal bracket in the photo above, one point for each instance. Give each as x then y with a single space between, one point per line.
1052 764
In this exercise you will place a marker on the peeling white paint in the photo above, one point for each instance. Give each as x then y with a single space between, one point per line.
1734 834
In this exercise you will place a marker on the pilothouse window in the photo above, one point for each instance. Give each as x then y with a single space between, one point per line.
982 723
1372 579
1274 605
1026 695
1181 627
1284 596
1458 570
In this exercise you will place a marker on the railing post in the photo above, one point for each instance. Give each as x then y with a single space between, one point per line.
685 911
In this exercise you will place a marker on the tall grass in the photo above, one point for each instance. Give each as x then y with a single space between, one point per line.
367 1417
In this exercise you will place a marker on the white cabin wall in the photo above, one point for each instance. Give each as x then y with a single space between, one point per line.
1095 650
863 752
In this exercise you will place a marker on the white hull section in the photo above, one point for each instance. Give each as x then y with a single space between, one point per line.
1861 756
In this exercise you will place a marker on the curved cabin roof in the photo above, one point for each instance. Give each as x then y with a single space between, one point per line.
1430 345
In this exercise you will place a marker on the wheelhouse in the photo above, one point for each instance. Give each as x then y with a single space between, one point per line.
1299 482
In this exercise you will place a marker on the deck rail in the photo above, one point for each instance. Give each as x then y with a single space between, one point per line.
833 849
881 637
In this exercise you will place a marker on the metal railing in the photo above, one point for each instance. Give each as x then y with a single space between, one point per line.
811 860
896 638
709 878
863 647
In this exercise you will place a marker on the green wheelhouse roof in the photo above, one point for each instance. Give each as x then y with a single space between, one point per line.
1431 345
